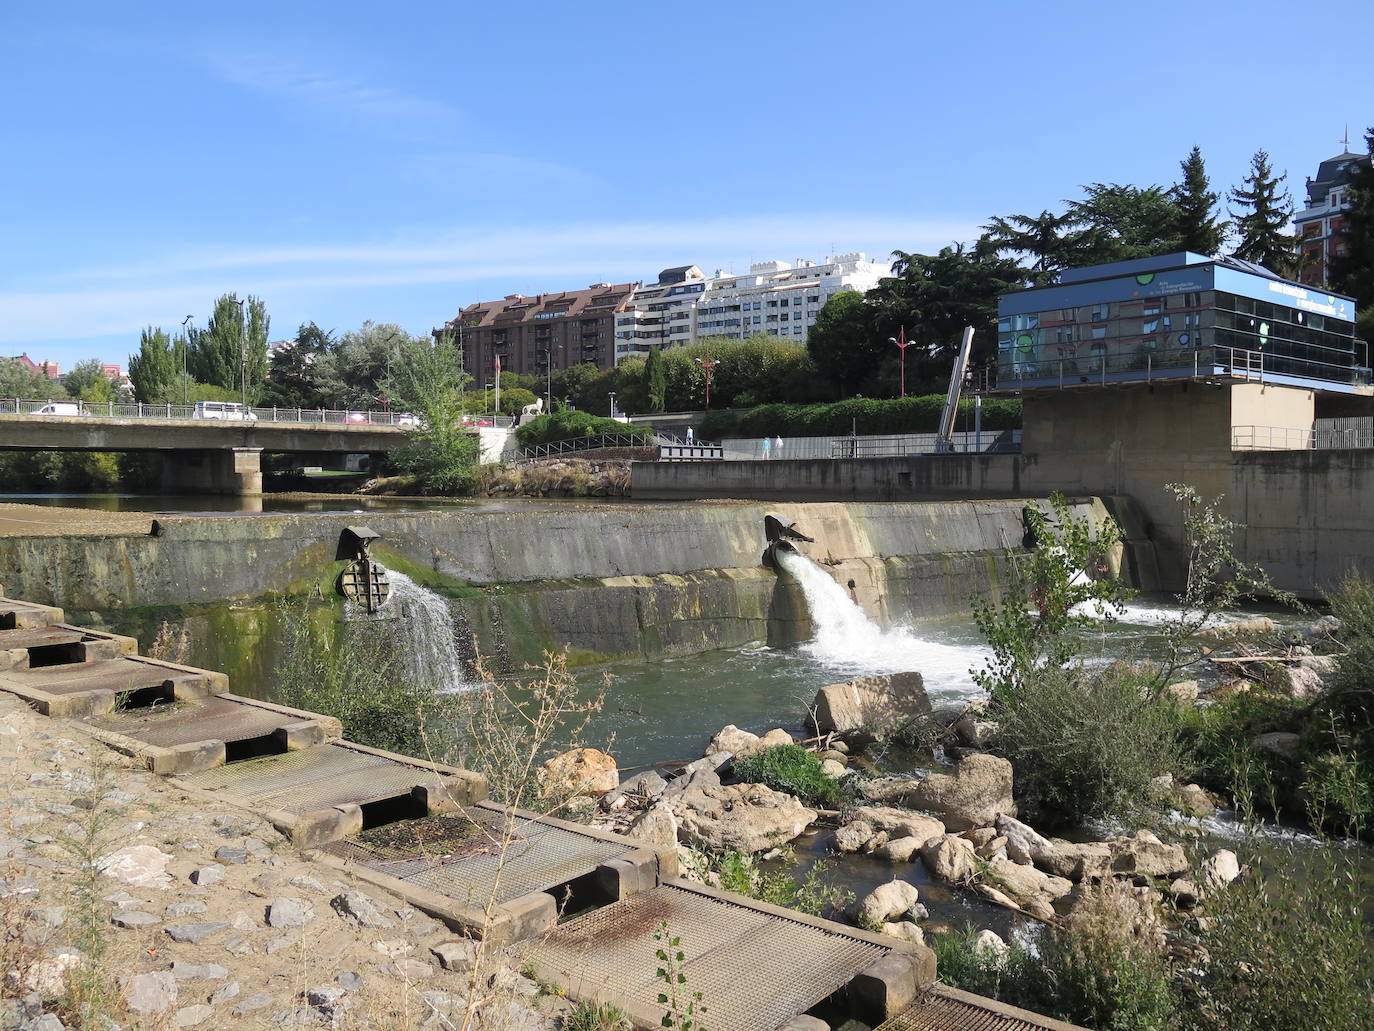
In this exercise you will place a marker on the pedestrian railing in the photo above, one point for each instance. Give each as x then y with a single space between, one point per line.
593 443
1325 434
136 410
871 446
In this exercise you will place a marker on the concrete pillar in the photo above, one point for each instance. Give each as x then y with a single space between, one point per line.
232 471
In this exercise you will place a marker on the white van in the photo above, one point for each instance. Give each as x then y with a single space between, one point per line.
228 411
60 408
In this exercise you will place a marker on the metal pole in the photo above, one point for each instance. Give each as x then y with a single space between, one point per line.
978 423
243 359
185 385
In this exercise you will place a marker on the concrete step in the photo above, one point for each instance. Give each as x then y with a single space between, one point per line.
187 737
21 615
103 684
59 645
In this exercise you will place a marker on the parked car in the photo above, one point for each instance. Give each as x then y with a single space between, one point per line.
407 419
227 411
61 408
355 417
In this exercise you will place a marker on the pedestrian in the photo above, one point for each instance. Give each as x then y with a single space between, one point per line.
777 448
767 446
689 436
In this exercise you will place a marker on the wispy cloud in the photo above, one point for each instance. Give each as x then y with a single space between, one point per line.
118 299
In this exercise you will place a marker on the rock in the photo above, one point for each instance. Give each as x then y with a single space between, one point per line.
195 933
225 992
234 856
974 794
253 1003
656 825
141 866
307 883
1231 688
1220 869
1193 800
834 755
146 994
900 850
190 1016
456 955
733 740
990 943
906 931
973 732
207 875
645 786
1279 742
1184 893
48 1022
980 836
876 842
198 971
349 981
994 848
288 912
1145 854
1303 682
873 704
1320 663
411 969
583 771
887 902
1243 628
900 822
775 738
852 836
833 769
745 817
357 907
1183 691
131 918
1024 843
949 858
47 977
1026 882
192 907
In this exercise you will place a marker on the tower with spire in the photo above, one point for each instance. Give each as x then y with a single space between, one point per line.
1318 225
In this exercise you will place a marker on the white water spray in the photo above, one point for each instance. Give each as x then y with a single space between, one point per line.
426 635
847 639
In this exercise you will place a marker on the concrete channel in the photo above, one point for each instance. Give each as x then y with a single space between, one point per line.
586 900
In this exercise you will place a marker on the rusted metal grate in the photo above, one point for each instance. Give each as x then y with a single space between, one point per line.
947 1009
466 863
756 970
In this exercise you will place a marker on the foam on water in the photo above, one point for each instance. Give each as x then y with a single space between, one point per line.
847 640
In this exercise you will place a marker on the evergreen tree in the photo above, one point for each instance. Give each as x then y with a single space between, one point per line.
1052 242
231 351
657 379
1352 272
156 369
1264 213
292 377
1122 222
1199 230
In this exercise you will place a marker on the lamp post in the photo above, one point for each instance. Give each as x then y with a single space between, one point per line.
902 344
612 404
707 364
185 383
548 375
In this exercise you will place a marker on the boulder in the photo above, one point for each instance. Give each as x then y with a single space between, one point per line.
744 817
1183 691
1026 882
1320 663
852 836
1327 627
1220 869
1279 742
993 848
887 902
873 704
1076 860
1146 855
990 943
832 769
1184 893
656 826
1304 682
1243 628
1193 800
973 732
583 771
906 931
644 786
974 794
733 740
900 850
882 790
140 866
1024 843
949 858
146 994
900 823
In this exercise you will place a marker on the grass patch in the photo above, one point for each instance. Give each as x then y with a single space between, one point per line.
791 769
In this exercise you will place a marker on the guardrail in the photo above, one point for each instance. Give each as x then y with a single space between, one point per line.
1290 438
299 416
575 444
872 446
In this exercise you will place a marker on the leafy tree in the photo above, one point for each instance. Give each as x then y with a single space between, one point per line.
656 378
1049 240
1262 213
292 375
427 378
1199 230
156 369
1122 222
19 381
355 373
581 386
88 382
1352 273
231 351
841 342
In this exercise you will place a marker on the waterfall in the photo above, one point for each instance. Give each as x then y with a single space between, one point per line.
425 634
846 639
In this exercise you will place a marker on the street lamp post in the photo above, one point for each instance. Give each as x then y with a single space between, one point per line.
185 380
902 344
548 376
707 364
612 404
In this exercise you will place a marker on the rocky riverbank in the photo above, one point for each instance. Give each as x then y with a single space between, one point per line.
128 902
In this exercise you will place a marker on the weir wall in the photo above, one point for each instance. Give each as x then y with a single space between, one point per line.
606 581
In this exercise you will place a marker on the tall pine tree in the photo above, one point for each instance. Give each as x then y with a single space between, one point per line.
656 377
156 367
1199 229
1264 213
231 351
1352 267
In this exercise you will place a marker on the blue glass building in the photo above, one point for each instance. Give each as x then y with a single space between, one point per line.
1178 316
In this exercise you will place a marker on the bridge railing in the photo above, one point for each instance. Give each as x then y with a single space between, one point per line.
137 410
575 444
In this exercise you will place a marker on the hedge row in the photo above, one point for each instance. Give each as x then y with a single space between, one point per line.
862 415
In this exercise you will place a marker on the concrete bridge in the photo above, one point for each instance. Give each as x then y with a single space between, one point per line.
203 456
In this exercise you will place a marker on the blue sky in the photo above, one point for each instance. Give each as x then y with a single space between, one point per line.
351 161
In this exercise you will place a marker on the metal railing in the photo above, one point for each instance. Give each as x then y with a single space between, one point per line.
871 446
1325 434
305 416
595 443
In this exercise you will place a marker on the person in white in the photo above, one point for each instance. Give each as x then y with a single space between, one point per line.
689 435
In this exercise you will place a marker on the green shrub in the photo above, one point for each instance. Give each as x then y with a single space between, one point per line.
596 1016
1087 745
873 415
743 874
718 425
569 425
791 769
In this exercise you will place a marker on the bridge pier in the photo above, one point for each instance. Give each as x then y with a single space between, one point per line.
233 471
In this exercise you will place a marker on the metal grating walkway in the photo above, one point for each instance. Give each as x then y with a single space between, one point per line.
117 675
458 855
314 778
756 969
948 1009
215 719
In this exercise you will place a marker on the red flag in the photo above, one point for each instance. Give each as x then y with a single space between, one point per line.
498 363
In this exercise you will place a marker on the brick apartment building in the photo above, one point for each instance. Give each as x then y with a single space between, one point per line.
1318 226
529 332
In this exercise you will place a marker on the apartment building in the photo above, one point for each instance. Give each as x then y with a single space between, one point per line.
1318 226
661 313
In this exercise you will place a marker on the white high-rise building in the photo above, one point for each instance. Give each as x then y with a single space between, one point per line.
773 297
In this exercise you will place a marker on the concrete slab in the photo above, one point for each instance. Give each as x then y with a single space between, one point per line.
757 966
102 684
59 645
20 615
